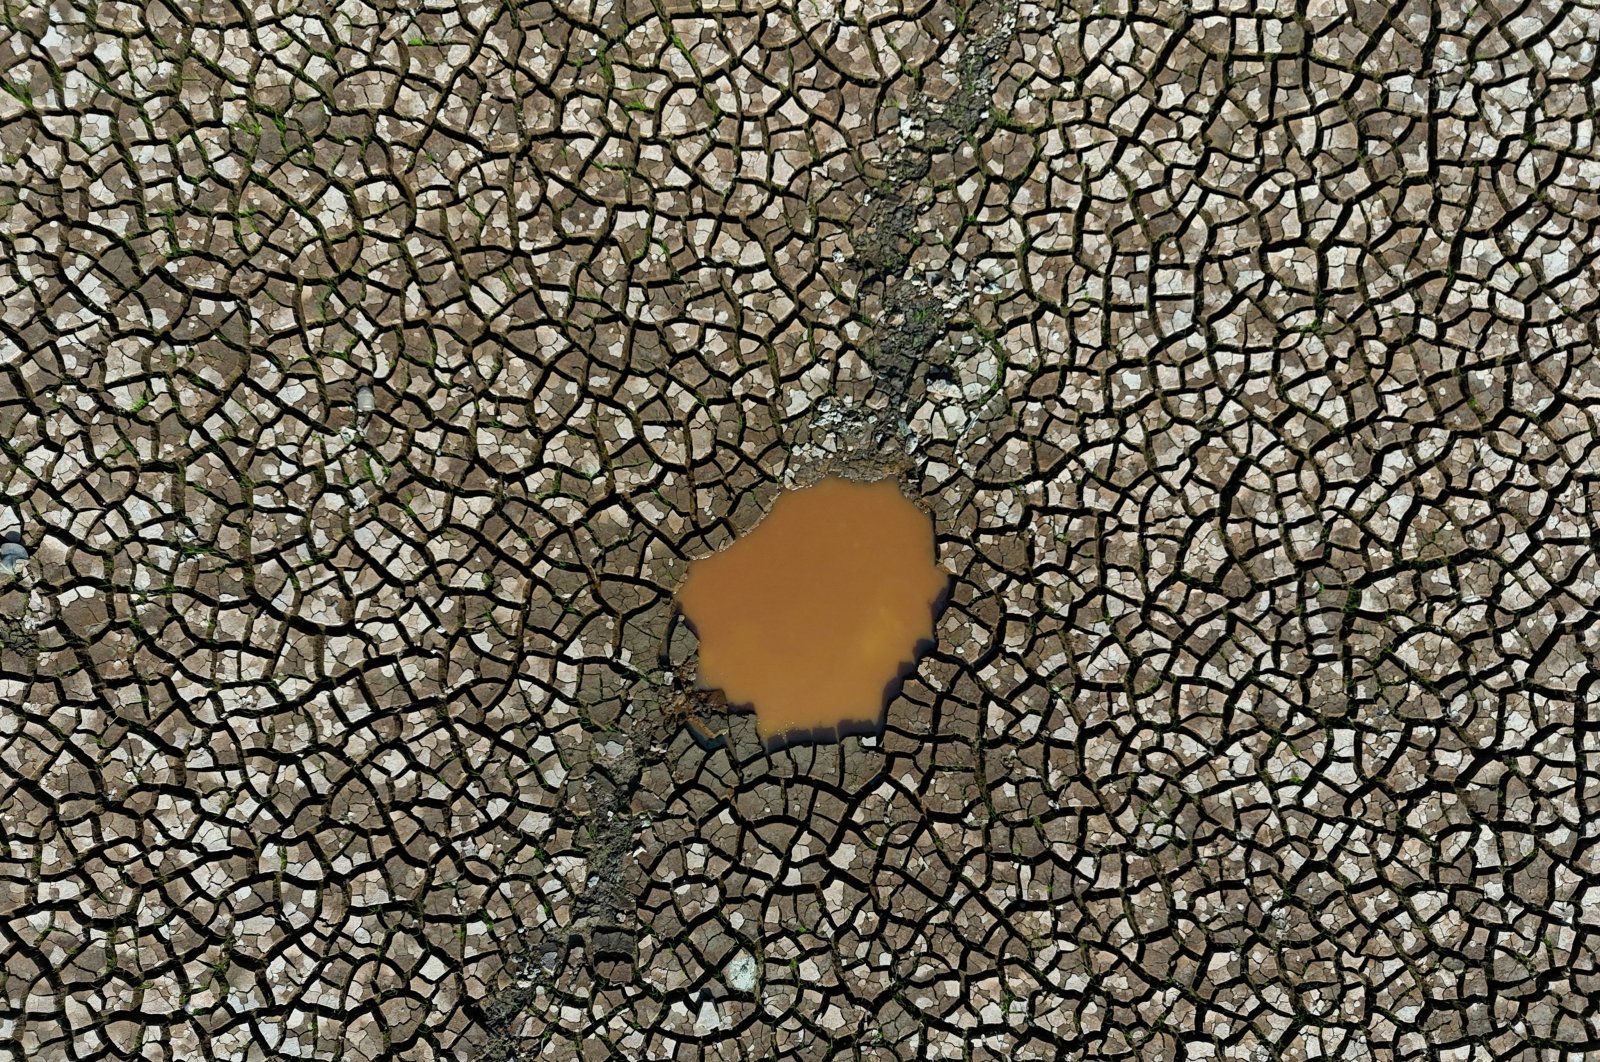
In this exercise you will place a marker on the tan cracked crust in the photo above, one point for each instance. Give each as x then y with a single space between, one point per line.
1244 355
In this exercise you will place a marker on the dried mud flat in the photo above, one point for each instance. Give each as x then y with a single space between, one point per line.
1245 359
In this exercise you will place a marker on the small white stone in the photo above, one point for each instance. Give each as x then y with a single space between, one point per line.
741 972
13 555
709 1019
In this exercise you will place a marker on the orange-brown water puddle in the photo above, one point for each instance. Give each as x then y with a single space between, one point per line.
812 617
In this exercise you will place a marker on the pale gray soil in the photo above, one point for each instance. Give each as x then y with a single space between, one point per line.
1243 353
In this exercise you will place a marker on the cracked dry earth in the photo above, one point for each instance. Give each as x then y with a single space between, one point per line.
1243 354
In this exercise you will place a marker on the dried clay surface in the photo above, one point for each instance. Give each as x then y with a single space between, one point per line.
370 376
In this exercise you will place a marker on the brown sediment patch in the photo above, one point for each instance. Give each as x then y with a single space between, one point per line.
812 619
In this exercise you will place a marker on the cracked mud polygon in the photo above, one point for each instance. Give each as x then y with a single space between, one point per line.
371 375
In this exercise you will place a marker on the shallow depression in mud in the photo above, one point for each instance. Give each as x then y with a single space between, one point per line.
812 617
